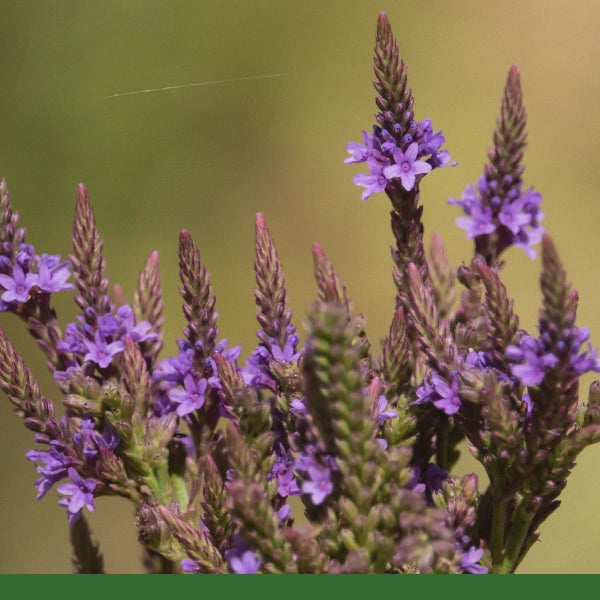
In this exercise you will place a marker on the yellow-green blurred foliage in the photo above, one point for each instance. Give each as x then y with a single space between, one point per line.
208 158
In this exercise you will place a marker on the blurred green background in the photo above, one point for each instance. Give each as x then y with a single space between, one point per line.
208 158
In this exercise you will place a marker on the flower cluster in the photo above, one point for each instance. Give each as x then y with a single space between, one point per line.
216 450
30 274
504 210
388 161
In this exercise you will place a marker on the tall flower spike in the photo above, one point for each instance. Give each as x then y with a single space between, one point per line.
498 212
396 357
136 377
23 391
330 288
198 301
88 262
148 306
270 293
398 153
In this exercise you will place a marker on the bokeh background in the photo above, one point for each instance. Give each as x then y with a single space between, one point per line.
209 157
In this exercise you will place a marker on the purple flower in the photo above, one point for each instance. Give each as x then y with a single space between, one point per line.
319 484
361 153
375 181
242 559
100 352
55 468
139 332
444 396
174 369
470 562
189 566
17 287
298 406
283 471
479 221
288 353
90 440
284 513
24 255
80 492
407 166
52 275
256 372
383 412
513 217
191 398
537 361
108 325
230 354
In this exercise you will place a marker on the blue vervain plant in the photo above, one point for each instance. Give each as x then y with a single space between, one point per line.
210 450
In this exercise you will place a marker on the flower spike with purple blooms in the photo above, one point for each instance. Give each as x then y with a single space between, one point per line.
210 445
499 213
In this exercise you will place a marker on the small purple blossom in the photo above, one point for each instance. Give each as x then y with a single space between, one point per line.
55 468
100 352
470 562
383 412
406 166
191 398
513 215
17 287
319 484
80 492
189 566
479 222
360 153
242 558
375 181
138 332
537 361
53 275
283 471
298 406
443 396
288 353
174 369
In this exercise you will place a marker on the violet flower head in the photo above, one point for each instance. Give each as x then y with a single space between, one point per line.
191 398
53 275
383 412
55 468
536 361
375 181
189 566
242 558
443 396
18 286
319 484
407 167
101 352
360 152
283 471
470 562
77 494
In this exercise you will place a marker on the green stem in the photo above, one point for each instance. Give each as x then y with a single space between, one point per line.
519 529
180 489
497 535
